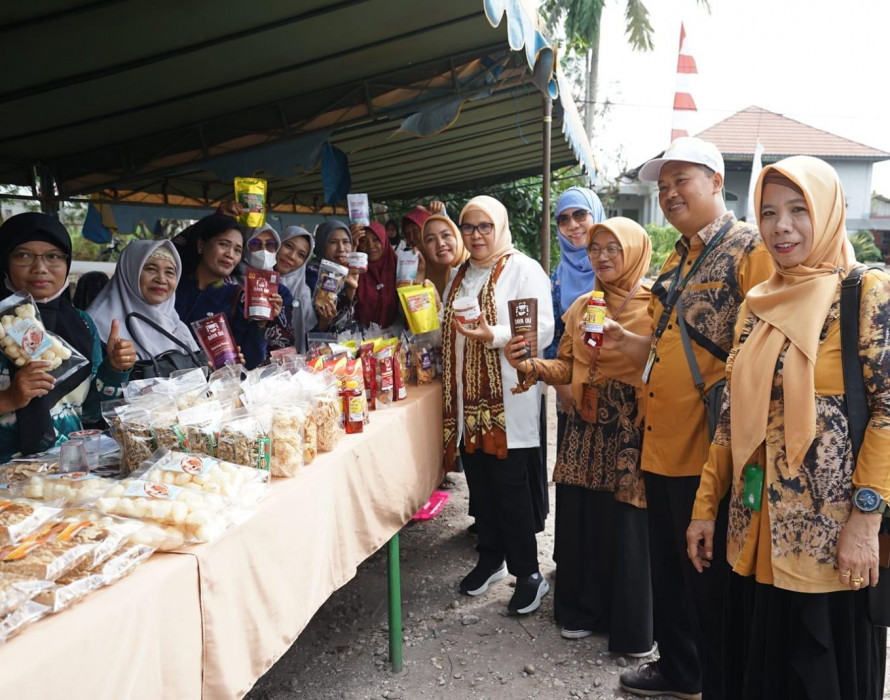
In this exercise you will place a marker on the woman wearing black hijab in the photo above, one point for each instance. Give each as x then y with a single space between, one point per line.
36 411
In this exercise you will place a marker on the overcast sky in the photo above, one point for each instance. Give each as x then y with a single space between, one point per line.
825 64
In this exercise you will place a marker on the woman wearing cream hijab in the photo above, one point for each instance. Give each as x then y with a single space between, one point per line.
802 547
602 543
494 431
442 248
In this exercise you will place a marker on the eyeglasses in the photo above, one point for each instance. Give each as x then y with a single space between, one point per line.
22 258
485 228
257 244
611 251
579 215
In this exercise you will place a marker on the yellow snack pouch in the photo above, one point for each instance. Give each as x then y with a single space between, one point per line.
250 193
419 305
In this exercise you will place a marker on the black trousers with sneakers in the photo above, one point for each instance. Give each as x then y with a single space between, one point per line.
688 605
507 515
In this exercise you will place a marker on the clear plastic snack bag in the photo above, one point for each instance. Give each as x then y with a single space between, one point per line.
23 338
244 438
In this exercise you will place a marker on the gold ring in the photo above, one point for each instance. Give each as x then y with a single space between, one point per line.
847 573
857 581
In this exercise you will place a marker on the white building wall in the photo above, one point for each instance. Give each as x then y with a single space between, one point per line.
856 178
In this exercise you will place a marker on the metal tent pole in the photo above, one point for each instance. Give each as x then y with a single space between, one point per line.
395 603
545 185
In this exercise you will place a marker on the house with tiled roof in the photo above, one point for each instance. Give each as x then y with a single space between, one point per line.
737 136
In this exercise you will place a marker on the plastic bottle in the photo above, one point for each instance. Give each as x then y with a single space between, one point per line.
353 408
595 320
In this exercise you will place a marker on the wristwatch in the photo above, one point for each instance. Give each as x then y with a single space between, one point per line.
868 500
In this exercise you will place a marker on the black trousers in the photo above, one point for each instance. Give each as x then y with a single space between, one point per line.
602 568
688 605
505 512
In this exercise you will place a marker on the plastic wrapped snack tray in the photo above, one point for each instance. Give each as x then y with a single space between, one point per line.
73 488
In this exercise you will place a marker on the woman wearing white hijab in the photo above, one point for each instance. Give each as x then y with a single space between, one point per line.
294 253
145 283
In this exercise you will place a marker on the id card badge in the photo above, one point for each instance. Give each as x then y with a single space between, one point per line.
753 488
650 362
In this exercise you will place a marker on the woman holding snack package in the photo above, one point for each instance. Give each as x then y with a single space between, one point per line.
376 298
39 404
296 248
333 291
804 514
144 283
601 548
495 431
211 250
263 245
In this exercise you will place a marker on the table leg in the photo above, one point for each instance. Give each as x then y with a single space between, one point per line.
395 603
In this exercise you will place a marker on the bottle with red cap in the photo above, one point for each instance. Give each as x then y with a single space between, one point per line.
595 320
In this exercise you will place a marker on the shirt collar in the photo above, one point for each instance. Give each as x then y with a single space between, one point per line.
703 237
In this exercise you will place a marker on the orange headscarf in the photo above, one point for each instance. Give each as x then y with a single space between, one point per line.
502 239
436 273
792 306
636 250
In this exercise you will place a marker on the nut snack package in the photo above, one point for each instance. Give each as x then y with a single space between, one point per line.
23 338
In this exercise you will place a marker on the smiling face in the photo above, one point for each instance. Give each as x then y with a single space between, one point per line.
785 225
370 244
606 256
41 277
221 254
479 244
337 246
439 243
412 232
292 254
574 226
157 281
689 197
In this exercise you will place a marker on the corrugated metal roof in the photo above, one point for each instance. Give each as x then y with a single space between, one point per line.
781 136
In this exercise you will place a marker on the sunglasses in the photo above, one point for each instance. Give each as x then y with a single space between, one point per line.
579 215
257 244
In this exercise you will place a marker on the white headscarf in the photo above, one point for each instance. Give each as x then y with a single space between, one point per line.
122 296
295 281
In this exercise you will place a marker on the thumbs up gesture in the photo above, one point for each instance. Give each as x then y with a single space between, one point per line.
121 353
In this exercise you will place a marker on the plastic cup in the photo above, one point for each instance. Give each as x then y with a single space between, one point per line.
73 457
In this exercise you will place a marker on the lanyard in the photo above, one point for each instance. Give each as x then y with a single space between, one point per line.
677 286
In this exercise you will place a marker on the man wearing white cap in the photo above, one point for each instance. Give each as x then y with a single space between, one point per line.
715 262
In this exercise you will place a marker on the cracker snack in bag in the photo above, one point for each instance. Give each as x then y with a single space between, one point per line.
419 304
330 281
250 193
24 339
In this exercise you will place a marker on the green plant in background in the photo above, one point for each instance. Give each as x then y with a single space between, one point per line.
865 248
663 238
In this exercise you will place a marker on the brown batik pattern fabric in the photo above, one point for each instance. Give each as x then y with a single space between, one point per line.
605 456
485 420
808 509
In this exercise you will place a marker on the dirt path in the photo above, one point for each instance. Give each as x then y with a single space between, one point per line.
456 647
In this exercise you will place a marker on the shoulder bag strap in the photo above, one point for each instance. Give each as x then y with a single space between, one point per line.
854 384
159 329
690 355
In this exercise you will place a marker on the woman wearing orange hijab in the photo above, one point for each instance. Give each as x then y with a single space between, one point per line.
442 248
602 541
804 517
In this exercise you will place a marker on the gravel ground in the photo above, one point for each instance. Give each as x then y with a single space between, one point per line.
455 646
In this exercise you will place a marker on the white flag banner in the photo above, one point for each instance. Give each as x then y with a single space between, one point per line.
756 167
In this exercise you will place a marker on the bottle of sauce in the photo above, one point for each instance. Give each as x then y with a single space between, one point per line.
595 320
353 408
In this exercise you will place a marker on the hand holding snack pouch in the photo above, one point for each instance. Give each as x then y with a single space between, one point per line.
359 209
524 322
216 340
330 280
259 286
250 193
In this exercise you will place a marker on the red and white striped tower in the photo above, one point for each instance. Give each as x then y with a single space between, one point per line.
684 105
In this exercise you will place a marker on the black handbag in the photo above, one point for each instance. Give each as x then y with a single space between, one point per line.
857 419
166 363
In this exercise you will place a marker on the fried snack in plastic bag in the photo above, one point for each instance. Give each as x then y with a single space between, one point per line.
207 475
15 591
201 426
73 488
250 193
23 338
330 280
244 438
16 621
20 518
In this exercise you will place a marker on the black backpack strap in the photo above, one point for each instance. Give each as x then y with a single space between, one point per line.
854 384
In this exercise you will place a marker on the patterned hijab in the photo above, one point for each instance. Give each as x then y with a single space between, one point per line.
574 272
792 306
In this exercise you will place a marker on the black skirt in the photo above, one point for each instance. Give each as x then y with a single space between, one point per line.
787 645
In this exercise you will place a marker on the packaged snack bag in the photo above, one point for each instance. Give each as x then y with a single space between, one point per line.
216 340
524 322
385 378
330 280
259 286
23 338
359 209
419 305
250 193
424 360
407 264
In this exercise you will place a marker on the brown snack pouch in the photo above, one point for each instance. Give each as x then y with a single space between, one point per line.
524 322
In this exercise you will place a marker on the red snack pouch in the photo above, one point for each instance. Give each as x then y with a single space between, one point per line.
216 340
259 286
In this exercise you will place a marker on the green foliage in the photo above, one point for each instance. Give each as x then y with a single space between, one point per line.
864 245
663 238
637 26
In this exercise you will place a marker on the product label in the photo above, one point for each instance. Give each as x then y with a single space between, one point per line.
187 464
30 336
72 476
418 302
426 359
264 453
595 319
150 489
356 409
